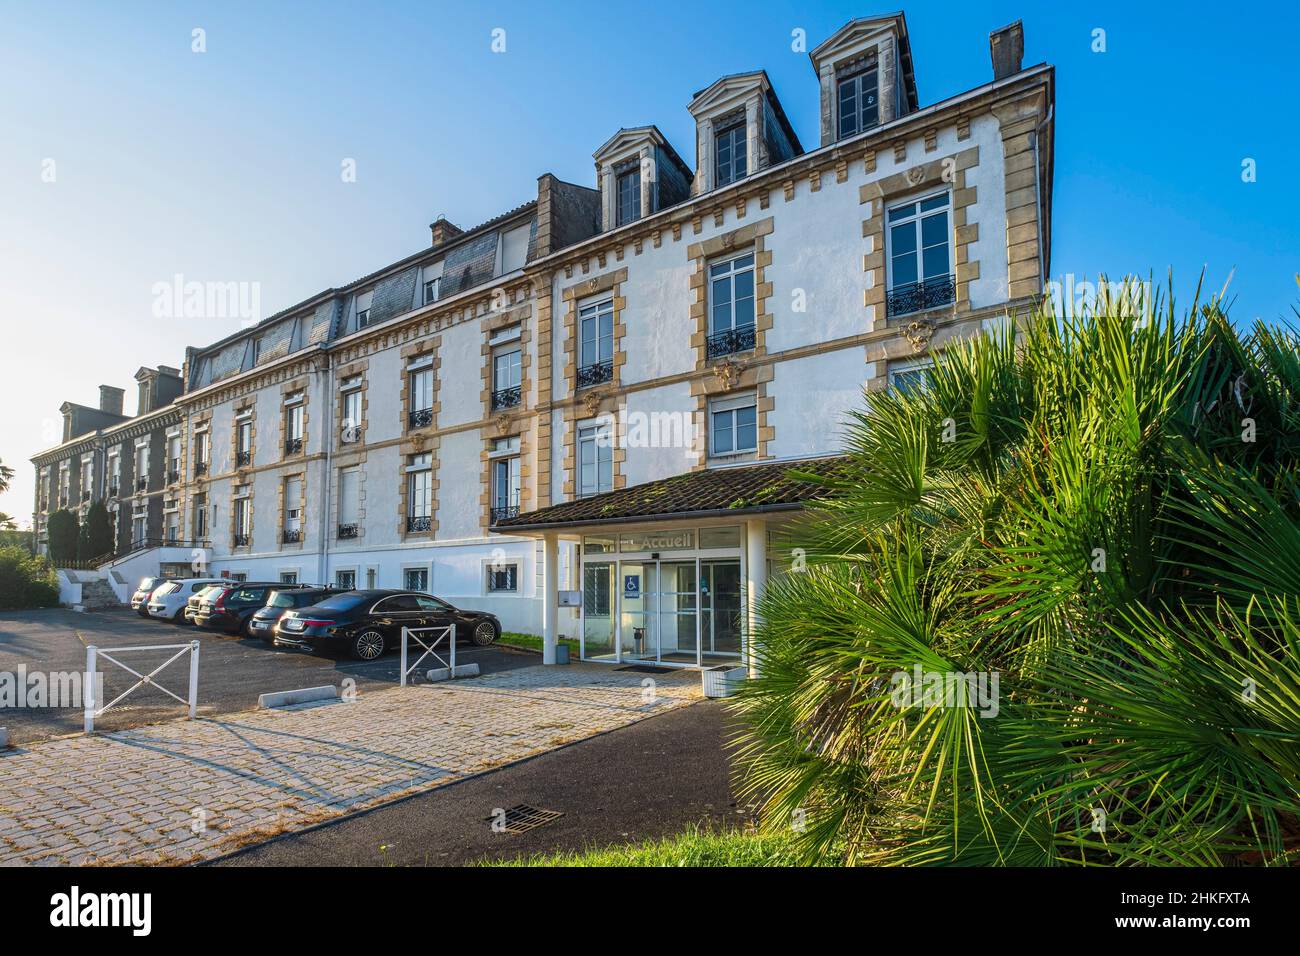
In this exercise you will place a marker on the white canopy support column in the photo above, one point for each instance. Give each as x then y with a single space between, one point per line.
755 583
550 595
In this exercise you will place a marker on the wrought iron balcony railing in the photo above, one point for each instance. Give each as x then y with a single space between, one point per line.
506 397
141 484
349 531
420 418
292 446
243 458
504 512
595 373
63 501
730 341
415 524
173 477
112 490
200 468
241 541
291 536
85 496
920 296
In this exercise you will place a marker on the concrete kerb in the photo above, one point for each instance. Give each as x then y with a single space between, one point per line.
305 695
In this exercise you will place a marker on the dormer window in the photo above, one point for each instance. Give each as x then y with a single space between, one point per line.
859 102
363 309
629 196
731 154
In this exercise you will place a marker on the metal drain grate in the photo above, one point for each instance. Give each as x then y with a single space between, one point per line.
522 818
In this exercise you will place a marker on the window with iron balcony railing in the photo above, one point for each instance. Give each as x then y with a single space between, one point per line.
504 512
292 446
421 418
85 495
200 468
506 397
243 458
415 524
141 484
919 296
349 531
241 541
173 476
291 536
595 373
730 341
112 489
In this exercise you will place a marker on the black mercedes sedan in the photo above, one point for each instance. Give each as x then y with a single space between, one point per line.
369 623
279 600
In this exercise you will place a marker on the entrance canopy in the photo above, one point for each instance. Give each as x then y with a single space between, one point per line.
670 572
734 492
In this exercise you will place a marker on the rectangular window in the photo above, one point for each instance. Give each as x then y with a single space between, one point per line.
858 106
503 578
243 520
288 577
173 526
347 580
596 343
507 376
505 487
363 309
174 458
201 452
293 422
595 459
432 282
201 518
349 501
419 493
731 306
909 377
421 398
629 196
415 579
920 256
729 164
243 443
350 426
733 426
292 509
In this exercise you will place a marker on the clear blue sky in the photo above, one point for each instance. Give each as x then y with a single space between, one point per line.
224 166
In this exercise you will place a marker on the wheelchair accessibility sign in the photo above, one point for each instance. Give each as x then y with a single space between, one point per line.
631 585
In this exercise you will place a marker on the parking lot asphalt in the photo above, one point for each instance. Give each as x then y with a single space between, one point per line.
649 780
233 671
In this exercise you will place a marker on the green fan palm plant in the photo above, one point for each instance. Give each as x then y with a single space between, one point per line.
1098 517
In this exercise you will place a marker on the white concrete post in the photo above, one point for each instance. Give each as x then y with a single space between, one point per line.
550 597
194 678
755 583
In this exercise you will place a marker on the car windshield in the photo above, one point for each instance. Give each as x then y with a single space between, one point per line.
282 599
340 602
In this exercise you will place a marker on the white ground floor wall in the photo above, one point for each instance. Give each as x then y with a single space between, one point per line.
456 571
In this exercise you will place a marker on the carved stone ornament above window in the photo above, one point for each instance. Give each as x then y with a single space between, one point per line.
728 374
918 333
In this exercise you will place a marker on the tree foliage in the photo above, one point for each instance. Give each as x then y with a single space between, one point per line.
1104 512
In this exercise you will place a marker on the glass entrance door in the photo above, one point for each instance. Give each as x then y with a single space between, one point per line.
676 604
638 635
720 608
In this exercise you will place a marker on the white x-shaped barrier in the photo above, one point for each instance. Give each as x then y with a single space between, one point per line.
93 654
446 632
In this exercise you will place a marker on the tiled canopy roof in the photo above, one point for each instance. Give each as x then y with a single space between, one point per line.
768 486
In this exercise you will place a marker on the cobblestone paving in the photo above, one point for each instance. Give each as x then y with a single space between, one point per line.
186 791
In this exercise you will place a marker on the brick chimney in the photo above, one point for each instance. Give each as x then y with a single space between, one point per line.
110 399
443 230
1007 50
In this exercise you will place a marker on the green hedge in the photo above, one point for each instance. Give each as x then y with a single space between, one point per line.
26 581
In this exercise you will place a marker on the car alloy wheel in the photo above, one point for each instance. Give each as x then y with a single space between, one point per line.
367 645
484 634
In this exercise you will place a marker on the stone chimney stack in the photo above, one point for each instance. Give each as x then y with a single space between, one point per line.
110 399
444 230
1007 50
